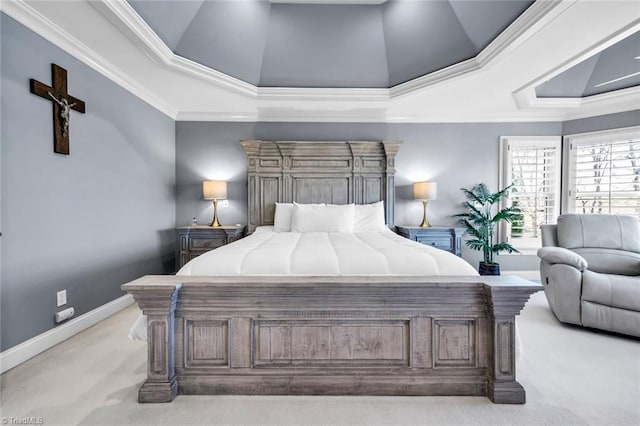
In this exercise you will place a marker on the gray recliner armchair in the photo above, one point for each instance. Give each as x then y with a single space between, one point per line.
590 270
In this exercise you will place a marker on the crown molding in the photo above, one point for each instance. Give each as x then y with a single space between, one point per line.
538 15
339 94
355 115
445 74
589 106
41 25
607 103
535 17
537 116
126 19
362 116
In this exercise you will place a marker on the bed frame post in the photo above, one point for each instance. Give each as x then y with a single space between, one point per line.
502 387
252 149
159 304
390 150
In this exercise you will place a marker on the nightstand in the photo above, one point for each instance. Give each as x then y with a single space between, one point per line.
449 239
198 239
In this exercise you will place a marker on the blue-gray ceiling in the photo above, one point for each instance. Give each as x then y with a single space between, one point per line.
617 67
295 45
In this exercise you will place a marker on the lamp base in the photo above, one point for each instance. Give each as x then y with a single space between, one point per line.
214 223
425 222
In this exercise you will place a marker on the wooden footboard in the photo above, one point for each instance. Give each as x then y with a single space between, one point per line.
331 335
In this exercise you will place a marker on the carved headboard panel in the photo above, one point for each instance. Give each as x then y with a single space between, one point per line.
318 172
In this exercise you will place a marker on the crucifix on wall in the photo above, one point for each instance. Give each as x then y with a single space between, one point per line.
63 103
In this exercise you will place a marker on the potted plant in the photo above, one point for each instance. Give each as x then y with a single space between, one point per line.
481 222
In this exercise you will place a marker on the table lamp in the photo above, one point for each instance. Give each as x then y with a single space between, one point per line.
214 190
425 191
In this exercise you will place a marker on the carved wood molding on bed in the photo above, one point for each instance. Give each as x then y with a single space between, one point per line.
379 335
344 172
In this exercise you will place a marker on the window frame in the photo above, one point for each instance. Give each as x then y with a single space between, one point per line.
527 245
569 154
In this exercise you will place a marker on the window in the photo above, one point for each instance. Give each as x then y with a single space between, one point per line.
604 172
532 165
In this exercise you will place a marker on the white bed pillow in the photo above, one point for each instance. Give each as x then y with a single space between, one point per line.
282 217
326 218
283 214
369 217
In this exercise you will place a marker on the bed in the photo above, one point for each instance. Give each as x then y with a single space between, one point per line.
328 310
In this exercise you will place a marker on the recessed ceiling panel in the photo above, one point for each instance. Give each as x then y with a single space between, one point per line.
228 36
325 46
615 68
422 37
169 19
379 45
485 20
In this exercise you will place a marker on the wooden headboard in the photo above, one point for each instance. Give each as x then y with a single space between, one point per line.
343 172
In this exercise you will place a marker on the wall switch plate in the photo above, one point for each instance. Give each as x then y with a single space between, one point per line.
61 297
225 203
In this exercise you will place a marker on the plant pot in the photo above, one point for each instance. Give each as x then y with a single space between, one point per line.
489 268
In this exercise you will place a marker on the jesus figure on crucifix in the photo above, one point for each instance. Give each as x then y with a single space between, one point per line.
65 108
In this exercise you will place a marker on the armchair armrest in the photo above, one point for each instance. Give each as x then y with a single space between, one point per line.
562 255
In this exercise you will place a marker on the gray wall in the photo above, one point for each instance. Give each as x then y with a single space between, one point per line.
87 222
602 122
455 155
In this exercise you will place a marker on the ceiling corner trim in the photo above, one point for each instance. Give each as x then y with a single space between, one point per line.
36 22
589 106
124 17
452 71
539 14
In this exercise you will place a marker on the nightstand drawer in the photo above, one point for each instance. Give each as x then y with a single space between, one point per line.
196 240
448 239
441 243
196 243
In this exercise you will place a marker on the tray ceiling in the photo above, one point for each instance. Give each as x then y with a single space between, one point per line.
498 84
614 68
270 44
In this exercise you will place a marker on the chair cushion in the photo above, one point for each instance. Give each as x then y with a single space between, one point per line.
611 290
599 230
608 261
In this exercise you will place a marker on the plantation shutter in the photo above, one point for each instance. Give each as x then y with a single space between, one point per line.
605 174
533 167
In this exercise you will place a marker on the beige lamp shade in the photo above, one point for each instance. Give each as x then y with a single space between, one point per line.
214 190
425 190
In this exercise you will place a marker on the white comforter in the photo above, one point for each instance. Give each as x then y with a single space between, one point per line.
320 253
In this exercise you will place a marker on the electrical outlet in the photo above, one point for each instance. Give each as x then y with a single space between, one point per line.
225 203
64 314
61 297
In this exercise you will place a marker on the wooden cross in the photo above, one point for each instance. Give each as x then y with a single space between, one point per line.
63 103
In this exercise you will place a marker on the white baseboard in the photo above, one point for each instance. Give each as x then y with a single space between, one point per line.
527 275
32 347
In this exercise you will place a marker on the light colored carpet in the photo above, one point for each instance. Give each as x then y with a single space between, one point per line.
572 376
